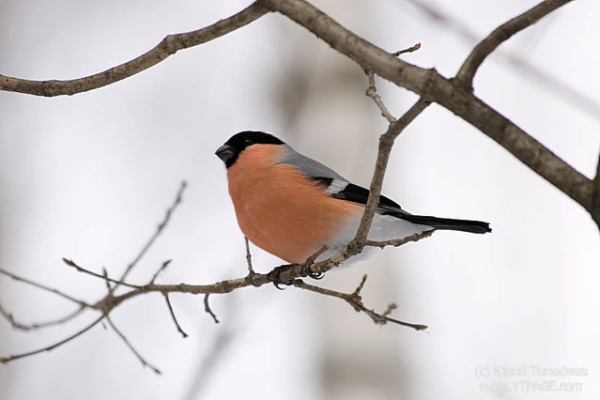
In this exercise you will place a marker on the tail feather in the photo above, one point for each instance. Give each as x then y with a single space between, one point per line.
449 224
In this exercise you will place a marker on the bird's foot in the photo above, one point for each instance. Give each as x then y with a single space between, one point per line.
275 276
306 265
307 271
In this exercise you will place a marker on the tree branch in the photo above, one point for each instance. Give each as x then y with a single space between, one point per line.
425 82
9 358
386 141
39 325
355 300
79 302
522 64
156 234
107 304
167 47
173 317
500 35
451 94
208 310
596 195
105 277
454 94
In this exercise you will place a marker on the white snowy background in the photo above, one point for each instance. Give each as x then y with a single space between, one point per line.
89 176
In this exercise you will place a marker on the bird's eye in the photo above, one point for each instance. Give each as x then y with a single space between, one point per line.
248 142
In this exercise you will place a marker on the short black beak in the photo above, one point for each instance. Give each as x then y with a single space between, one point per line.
225 152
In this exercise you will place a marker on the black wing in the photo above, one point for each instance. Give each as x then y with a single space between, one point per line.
360 195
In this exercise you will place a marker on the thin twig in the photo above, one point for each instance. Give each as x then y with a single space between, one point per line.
311 259
399 242
371 92
391 307
595 208
39 325
105 278
159 230
133 350
360 286
411 49
44 287
381 320
163 266
5 360
209 310
248 257
354 299
173 317
500 35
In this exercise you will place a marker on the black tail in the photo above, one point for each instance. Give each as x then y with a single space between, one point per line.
449 224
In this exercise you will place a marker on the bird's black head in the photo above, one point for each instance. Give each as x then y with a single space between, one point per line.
232 148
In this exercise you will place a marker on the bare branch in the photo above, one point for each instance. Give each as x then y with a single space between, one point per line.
500 35
44 287
425 82
554 85
596 196
103 276
173 317
411 49
248 257
399 242
111 301
360 286
389 310
167 47
454 94
7 359
434 87
371 92
159 230
355 300
386 141
39 325
163 266
106 280
133 350
209 310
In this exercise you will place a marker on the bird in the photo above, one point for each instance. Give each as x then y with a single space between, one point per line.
296 208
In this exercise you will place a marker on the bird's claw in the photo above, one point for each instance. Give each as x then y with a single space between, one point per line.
306 271
275 276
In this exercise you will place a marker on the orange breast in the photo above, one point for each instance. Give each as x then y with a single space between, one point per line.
281 211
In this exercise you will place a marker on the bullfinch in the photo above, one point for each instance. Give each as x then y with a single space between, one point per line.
293 206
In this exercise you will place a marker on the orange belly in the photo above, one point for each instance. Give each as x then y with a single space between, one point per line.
284 213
